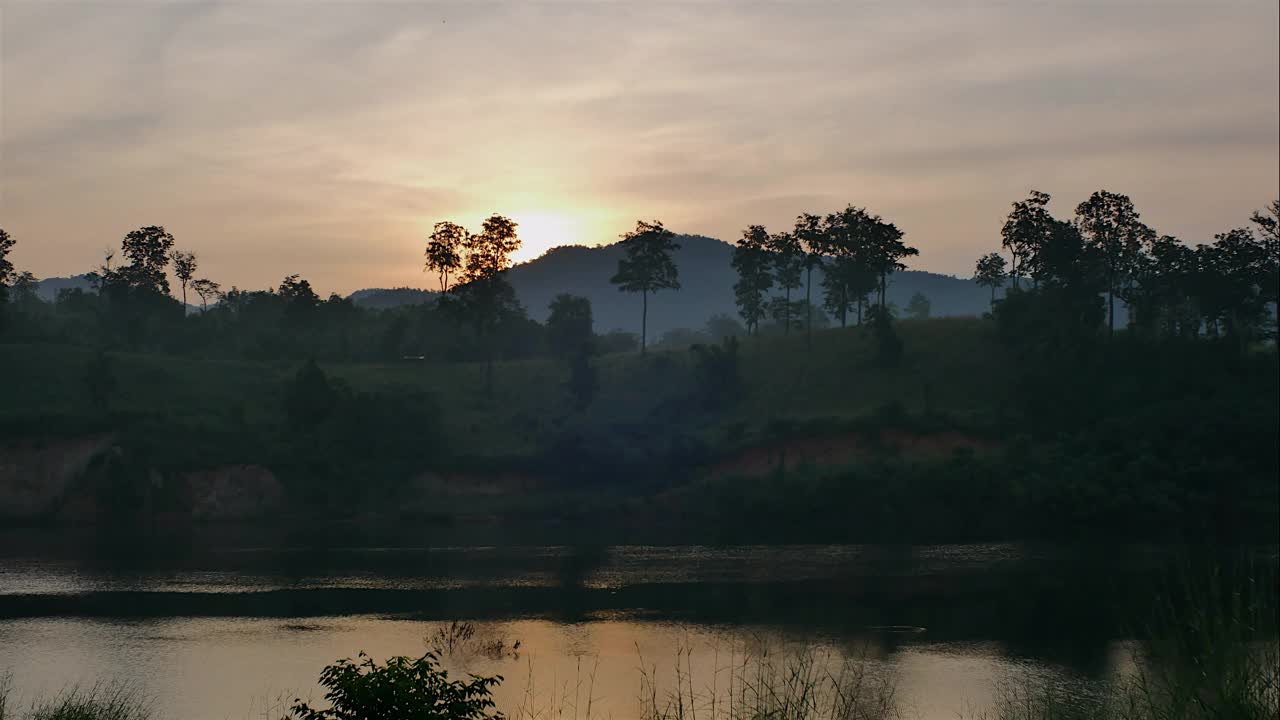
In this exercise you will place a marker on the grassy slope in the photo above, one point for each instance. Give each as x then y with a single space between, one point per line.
952 365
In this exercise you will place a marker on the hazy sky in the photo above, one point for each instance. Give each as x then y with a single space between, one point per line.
325 138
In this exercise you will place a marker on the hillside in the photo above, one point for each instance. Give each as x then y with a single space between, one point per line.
706 287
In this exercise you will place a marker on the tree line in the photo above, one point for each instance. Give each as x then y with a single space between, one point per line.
1105 252
1171 289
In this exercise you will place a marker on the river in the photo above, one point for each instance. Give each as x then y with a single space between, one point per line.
211 631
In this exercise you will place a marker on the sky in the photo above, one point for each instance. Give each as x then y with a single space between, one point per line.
325 138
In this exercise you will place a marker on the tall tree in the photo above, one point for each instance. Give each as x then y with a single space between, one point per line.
752 261
184 268
851 275
811 234
1024 232
886 251
206 289
485 298
147 251
1112 230
6 266
647 266
788 269
1268 223
989 272
444 251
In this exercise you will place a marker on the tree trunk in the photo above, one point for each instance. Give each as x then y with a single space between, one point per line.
860 301
993 297
644 318
184 297
808 307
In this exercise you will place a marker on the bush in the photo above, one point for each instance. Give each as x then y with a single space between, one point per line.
403 688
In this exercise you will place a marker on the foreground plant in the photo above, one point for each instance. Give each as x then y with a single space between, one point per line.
403 688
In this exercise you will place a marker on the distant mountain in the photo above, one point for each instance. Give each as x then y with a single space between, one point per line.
706 279
49 288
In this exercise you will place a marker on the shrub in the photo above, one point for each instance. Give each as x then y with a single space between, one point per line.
403 688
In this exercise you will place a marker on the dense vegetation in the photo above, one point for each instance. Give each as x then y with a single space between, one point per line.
1164 423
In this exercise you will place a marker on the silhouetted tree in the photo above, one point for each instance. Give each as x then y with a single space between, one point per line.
788 269
918 307
207 290
812 237
569 325
1112 230
886 252
647 266
989 272
184 268
485 298
754 264
147 250
444 251
1025 231
851 276
1268 223
6 266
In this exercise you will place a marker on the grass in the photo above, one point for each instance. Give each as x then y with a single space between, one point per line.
836 378
1208 652
99 702
806 685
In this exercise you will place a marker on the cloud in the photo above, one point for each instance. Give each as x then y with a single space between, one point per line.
325 138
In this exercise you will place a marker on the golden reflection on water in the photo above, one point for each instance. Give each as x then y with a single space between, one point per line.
212 669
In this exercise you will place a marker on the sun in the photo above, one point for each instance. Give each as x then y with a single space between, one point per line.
541 231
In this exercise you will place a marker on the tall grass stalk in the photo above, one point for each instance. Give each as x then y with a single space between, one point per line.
107 701
1209 651
810 684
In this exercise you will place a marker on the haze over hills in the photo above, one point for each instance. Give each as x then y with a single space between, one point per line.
706 280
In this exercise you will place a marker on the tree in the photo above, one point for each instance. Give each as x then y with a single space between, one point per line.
1268 223
886 252
647 266
850 276
147 249
918 307
1112 231
6 266
485 298
788 268
752 261
811 235
569 325
206 289
989 272
1024 232
403 688
184 267
444 251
